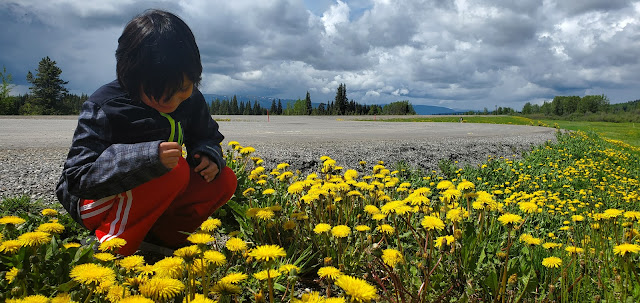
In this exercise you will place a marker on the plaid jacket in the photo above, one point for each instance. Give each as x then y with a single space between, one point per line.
115 145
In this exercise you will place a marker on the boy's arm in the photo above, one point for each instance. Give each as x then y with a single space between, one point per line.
95 168
204 137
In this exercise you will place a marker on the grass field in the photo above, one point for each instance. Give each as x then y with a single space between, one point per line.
625 132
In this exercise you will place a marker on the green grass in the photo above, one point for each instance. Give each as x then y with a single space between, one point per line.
625 132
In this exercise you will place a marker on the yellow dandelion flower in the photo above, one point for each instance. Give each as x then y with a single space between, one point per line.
528 207
296 187
104 257
574 250
392 257
62 298
35 299
359 290
265 274
10 246
233 143
247 192
551 262
51 228
92 274
200 238
131 262
71 245
245 151
136 299
532 241
282 166
11 275
170 267
289 225
225 288
363 228
288 268
210 225
451 195
234 278
551 245
236 244
386 228
444 185
11 220
161 289
444 240
267 252
431 223
625 248
457 214
265 214
188 252
115 293
379 216
371 209
268 191
322 228
611 213
329 272
577 218
510 219
341 231
34 238
465 185
112 244
632 215
49 212
335 300
215 257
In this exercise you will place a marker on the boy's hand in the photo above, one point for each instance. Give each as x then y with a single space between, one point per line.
169 153
207 169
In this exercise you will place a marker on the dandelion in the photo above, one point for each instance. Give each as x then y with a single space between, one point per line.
245 151
215 257
170 267
104 257
625 248
161 289
329 272
386 228
632 215
49 212
296 187
136 299
371 209
35 299
210 225
234 278
528 207
268 191
335 300
265 214
266 274
71 245
11 275
457 214
11 220
379 217
451 195
574 250
431 223
362 228
341 231
236 244
322 228
34 238
611 213
577 218
510 219
444 185
551 245
288 268
289 225
267 252
200 238
444 240
10 246
465 185
188 252
359 290
282 166
131 262
247 192
223 288
92 274
392 257
551 262
112 244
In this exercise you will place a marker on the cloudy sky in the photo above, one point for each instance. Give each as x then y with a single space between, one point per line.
463 54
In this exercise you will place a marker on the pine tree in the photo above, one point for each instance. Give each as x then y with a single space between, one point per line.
234 106
279 107
47 89
274 109
307 102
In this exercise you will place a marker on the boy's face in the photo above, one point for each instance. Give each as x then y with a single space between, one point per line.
169 104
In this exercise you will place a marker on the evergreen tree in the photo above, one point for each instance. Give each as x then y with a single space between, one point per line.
47 89
279 111
234 110
256 108
6 87
274 108
340 103
307 101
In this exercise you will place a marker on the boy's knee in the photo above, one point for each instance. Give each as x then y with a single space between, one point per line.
228 179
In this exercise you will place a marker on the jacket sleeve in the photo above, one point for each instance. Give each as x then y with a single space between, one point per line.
96 168
203 136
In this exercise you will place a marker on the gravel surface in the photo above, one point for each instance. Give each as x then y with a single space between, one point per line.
34 148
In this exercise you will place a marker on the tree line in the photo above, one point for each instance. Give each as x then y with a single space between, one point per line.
49 96
587 108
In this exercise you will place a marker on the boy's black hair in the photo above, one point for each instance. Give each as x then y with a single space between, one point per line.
156 50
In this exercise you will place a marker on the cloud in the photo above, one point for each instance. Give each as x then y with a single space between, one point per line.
463 54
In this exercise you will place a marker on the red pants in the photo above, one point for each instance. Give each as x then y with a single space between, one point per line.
165 207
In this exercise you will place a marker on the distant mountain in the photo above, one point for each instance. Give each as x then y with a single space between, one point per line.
265 102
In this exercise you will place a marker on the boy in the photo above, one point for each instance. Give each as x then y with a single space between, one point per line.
125 176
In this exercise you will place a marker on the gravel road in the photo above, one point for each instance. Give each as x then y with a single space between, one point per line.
34 148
